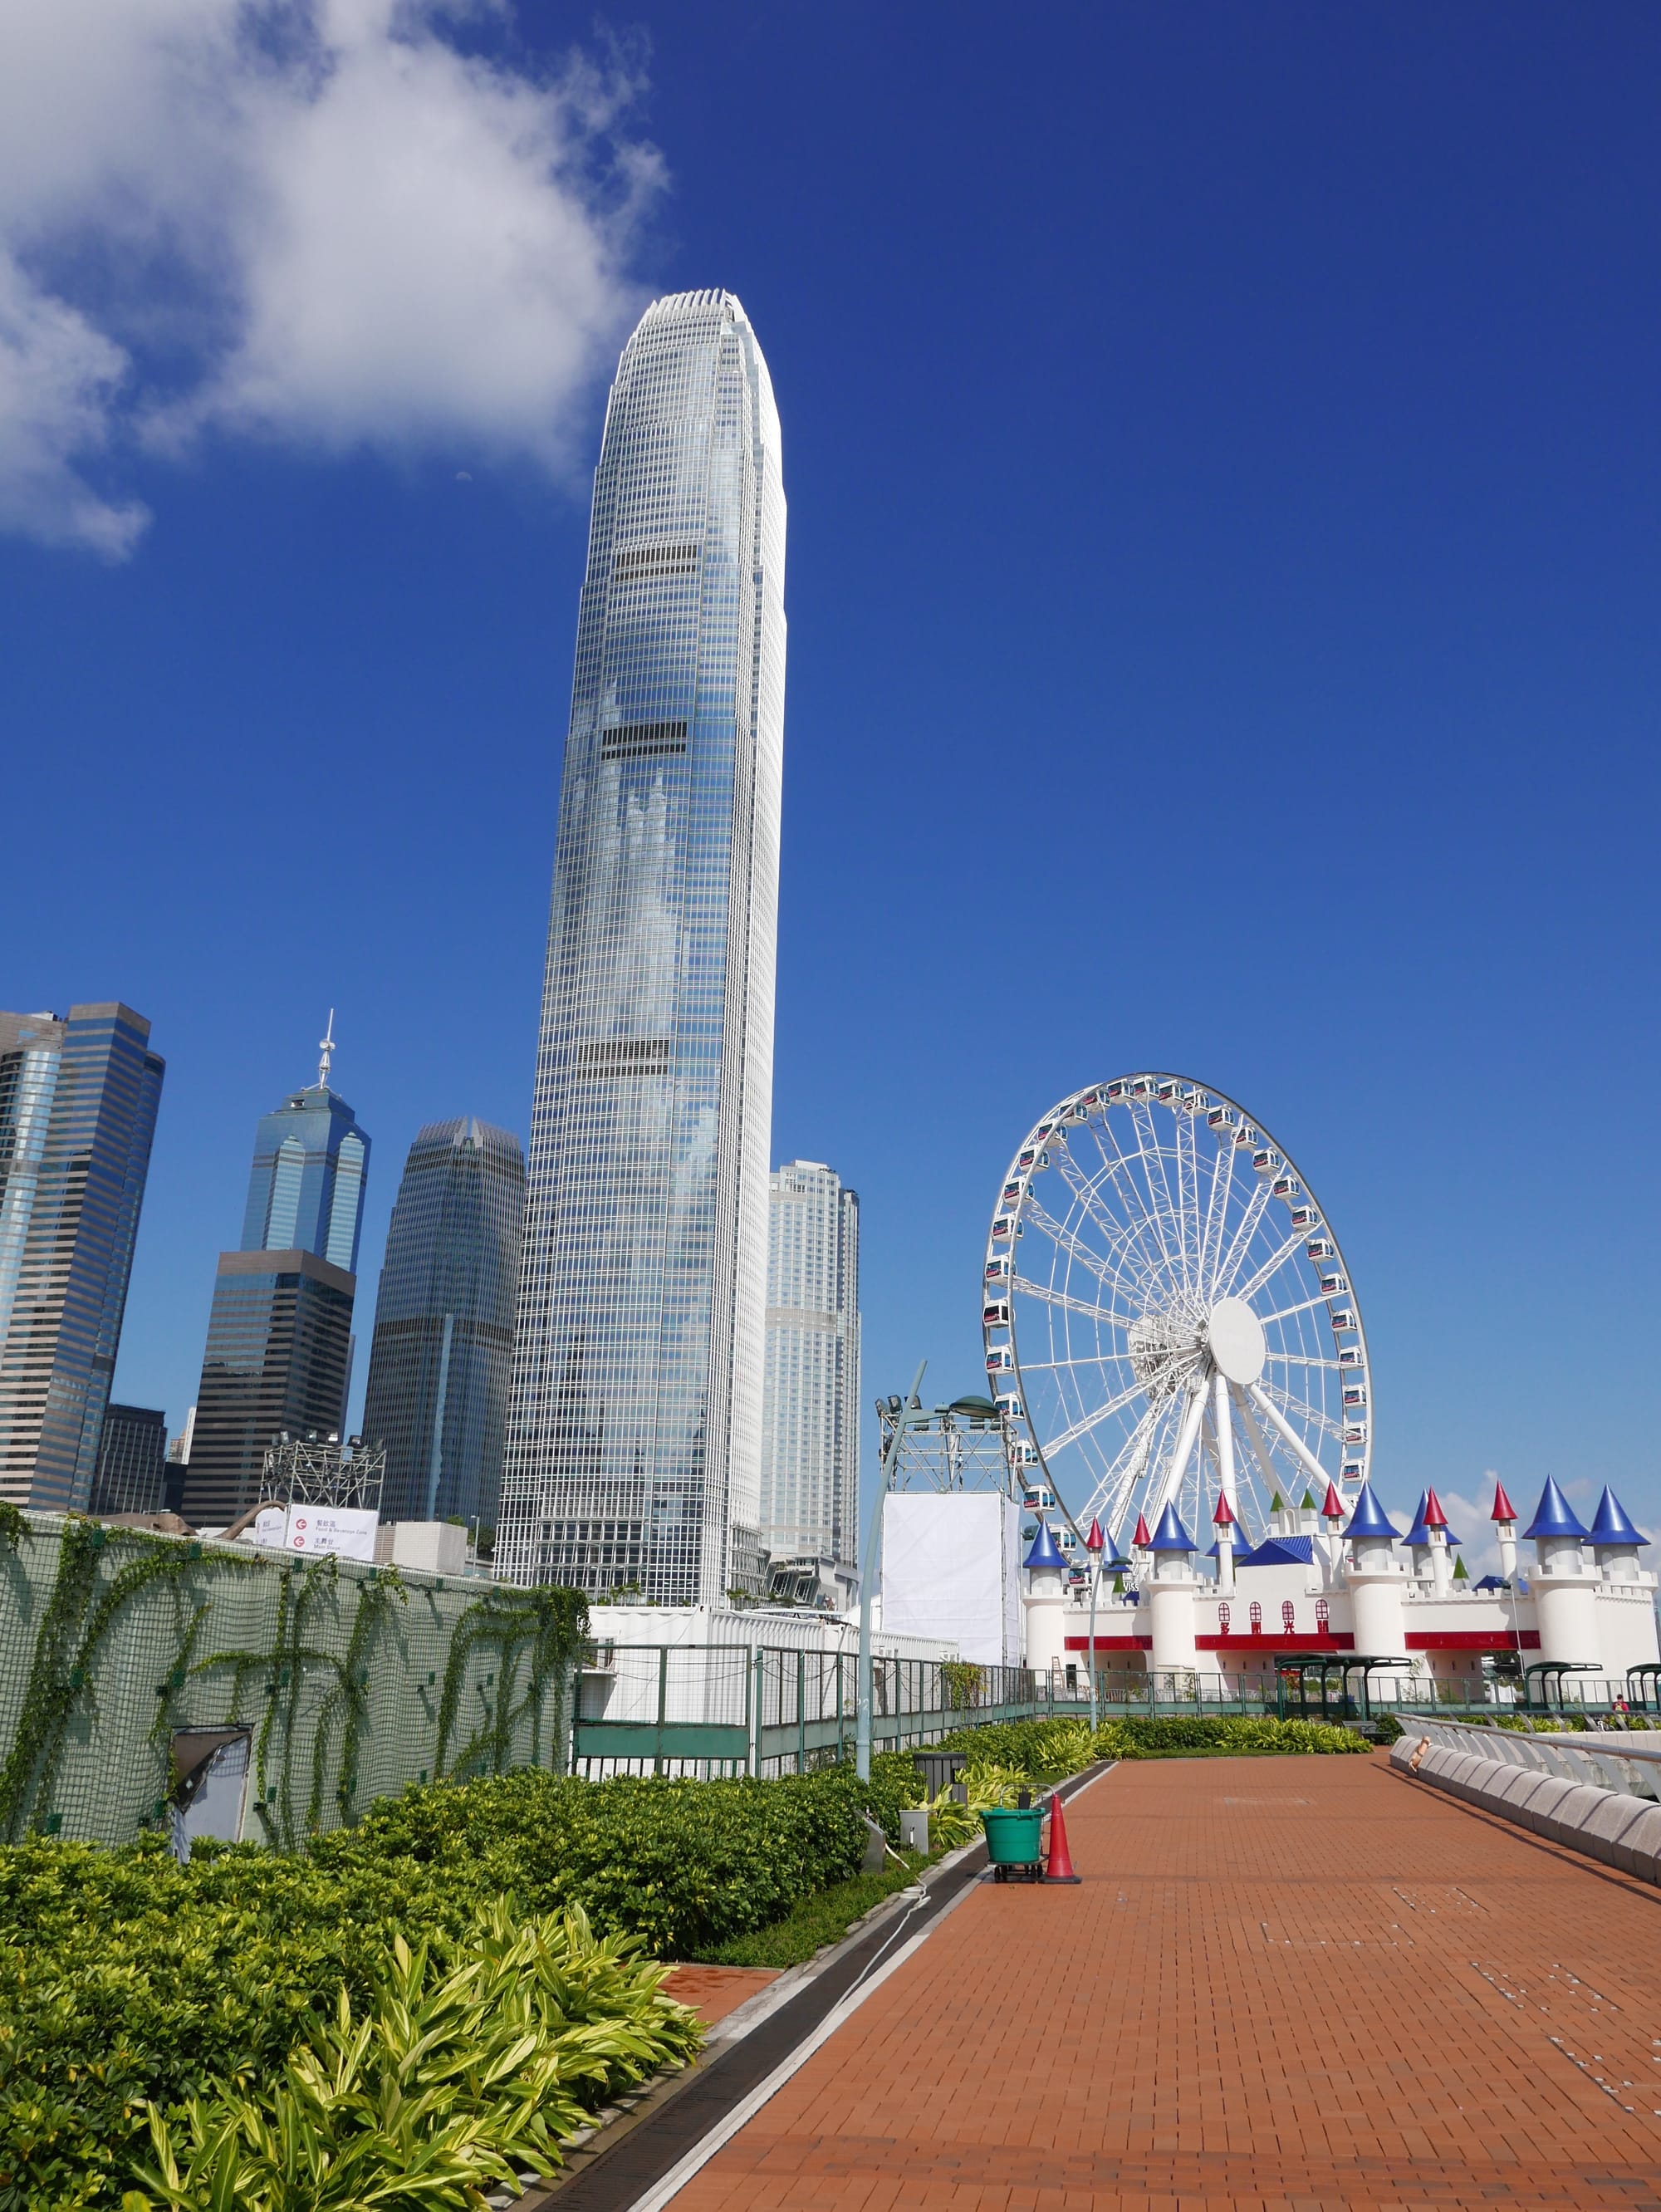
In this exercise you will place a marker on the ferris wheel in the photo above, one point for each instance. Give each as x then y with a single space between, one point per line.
1168 1313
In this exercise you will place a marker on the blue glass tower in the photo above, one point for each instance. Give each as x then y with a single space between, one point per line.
78 1100
279 1347
443 1349
634 1431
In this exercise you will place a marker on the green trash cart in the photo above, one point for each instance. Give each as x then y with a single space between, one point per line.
1014 1842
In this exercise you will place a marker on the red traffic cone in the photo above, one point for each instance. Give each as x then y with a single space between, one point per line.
1058 1867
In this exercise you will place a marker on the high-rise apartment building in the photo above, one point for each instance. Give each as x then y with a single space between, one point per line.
132 1460
279 1333
78 1099
810 1431
443 1349
634 1427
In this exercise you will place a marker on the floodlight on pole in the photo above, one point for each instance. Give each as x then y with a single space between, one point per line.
905 1417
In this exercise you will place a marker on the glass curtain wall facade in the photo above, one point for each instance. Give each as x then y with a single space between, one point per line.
78 1100
811 1434
132 1459
443 1350
279 1345
633 1450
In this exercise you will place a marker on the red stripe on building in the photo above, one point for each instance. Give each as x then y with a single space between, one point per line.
1284 1639
1111 1643
1474 1639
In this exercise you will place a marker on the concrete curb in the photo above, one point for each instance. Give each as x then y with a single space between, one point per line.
1611 1825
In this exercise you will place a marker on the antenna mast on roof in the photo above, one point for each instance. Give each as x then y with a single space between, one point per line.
326 1047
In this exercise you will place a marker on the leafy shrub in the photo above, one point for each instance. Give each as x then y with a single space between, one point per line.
473 2058
127 1980
1042 1751
1141 1738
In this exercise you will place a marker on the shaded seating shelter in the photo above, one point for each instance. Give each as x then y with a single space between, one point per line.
1547 1674
1297 1666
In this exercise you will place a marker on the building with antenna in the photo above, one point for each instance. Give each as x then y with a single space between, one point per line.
278 1357
443 1349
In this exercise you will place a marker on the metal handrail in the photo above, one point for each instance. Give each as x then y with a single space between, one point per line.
1610 1764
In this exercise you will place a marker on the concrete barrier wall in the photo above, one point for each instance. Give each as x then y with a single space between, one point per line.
1610 1825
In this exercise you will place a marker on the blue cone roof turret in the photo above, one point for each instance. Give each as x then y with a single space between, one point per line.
1610 1524
1045 1552
1367 1518
1554 1515
1171 1535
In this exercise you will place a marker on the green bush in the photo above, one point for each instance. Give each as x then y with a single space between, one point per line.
127 1980
1045 1750
1143 1738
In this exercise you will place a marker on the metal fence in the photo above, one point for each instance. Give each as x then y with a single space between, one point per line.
1602 1758
726 1709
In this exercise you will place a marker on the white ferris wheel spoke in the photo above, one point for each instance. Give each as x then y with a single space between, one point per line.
1125 1236
1139 1219
1169 1215
1188 1192
1069 1306
1285 1313
1091 1262
1082 1428
1293 1405
1217 1214
1255 1283
1300 1360
1266 1405
1240 1243
1138 1197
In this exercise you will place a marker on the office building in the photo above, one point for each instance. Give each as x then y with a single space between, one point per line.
810 1426
132 1460
278 1357
78 1099
443 1347
634 1425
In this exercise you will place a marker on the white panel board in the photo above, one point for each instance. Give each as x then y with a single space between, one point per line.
347 1530
951 1571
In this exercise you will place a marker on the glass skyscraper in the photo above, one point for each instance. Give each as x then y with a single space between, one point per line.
443 1349
132 1459
634 1428
811 1434
78 1099
279 1333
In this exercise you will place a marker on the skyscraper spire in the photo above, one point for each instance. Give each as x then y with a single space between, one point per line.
326 1047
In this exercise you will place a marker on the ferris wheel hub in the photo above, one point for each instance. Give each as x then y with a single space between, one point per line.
1235 1341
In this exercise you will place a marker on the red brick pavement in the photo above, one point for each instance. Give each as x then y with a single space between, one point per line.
1286 1984
714 1991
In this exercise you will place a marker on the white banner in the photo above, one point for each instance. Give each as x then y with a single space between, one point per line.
348 1530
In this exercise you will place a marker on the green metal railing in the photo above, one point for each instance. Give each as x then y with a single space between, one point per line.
755 1709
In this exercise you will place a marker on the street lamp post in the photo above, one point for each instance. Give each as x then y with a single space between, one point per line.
910 1415
1096 1544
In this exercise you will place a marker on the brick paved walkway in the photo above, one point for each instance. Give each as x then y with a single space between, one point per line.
714 1991
1287 1985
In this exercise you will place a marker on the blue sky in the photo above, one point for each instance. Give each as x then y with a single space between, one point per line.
1222 455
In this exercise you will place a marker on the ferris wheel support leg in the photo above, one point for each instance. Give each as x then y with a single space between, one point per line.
1222 1421
1183 1452
1277 1420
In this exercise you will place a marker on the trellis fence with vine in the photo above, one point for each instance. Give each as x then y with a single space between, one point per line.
351 1680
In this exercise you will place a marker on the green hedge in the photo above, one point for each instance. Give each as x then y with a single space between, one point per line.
124 1976
1137 1738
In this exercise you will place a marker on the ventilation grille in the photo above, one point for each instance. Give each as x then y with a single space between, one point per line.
639 740
599 1063
641 562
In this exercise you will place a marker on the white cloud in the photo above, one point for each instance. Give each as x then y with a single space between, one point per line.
321 221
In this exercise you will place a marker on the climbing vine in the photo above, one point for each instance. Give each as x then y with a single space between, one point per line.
306 1701
543 1629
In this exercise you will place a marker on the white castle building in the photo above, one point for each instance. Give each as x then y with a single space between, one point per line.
1351 1583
